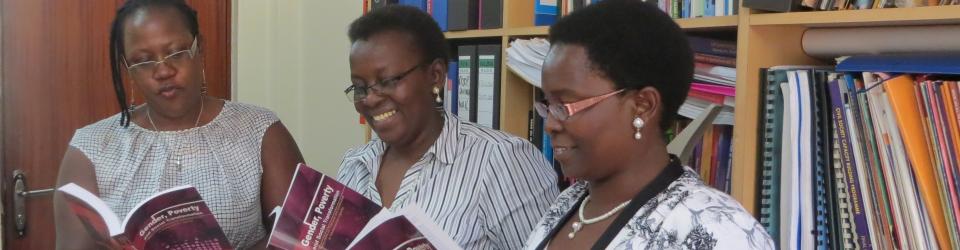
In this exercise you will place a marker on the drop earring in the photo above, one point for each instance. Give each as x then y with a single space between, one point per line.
436 91
133 102
638 124
203 87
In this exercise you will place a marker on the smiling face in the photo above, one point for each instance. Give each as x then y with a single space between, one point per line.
399 112
595 142
151 34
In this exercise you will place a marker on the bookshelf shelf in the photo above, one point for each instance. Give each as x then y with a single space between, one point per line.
870 17
529 31
700 23
474 33
709 23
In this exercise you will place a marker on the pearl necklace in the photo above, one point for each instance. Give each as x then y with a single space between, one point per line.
577 225
195 124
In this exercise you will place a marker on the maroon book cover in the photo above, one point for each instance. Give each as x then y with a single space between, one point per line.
176 218
320 213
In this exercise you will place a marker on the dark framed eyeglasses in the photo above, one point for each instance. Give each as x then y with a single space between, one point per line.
356 92
563 111
175 59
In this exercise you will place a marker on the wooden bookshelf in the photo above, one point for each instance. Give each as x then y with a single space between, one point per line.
763 40
474 33
709 23
853 18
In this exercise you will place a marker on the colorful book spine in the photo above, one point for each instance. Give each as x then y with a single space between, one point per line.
900 90
850 171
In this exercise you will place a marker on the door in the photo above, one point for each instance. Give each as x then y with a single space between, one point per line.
55 78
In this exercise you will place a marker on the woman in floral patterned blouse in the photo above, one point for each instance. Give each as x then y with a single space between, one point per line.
615 76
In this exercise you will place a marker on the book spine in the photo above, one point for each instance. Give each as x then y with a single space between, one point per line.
904 105
852 176
715 60
713 46
821 149
767 204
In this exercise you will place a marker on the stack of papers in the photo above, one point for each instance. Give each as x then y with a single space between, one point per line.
525 58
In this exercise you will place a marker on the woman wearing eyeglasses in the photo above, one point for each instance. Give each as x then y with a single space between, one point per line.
484 188
611 90
239 157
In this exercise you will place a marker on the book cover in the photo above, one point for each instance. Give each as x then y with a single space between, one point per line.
772 136
467 82
712 46
407 228
491 14
321 213
438 10
175 218
900 90
849 202
545 12
488 85
462 14
450 89
715 60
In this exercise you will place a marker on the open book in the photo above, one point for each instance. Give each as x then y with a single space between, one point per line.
321 213
175 218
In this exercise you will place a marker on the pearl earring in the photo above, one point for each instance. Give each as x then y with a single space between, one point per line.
638 124
436 91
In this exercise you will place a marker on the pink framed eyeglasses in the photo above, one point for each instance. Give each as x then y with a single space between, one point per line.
562 111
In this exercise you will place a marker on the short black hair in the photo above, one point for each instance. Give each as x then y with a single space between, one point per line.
117 67
635 45
425 32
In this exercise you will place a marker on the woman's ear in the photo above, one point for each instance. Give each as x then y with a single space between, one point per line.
438 72
646 103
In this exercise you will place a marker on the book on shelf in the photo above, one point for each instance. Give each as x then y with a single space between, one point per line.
546 12
176 218
450 92
491 14
805 5
321 213
462 14
467 82
883 145
488 85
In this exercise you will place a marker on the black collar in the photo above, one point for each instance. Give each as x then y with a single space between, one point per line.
669 174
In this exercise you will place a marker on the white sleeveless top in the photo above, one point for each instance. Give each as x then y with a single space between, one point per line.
221 159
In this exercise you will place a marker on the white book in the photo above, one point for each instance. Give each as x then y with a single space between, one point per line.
788 195
486 85
411 213
807 195
463 87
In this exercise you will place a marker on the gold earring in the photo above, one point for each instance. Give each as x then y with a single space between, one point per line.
436 91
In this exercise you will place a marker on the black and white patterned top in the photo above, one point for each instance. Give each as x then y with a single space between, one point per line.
686 214
221 159
484 188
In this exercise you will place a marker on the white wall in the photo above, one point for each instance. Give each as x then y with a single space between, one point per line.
291 56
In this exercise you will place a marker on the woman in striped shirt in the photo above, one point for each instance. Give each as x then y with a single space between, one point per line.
612 89
486 189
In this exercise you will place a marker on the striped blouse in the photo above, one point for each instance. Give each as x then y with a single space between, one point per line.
484 188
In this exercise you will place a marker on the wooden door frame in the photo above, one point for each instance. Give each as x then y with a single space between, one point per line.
3 183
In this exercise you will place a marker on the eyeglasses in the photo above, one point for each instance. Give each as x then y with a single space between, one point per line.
562 111
356 92
175 59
